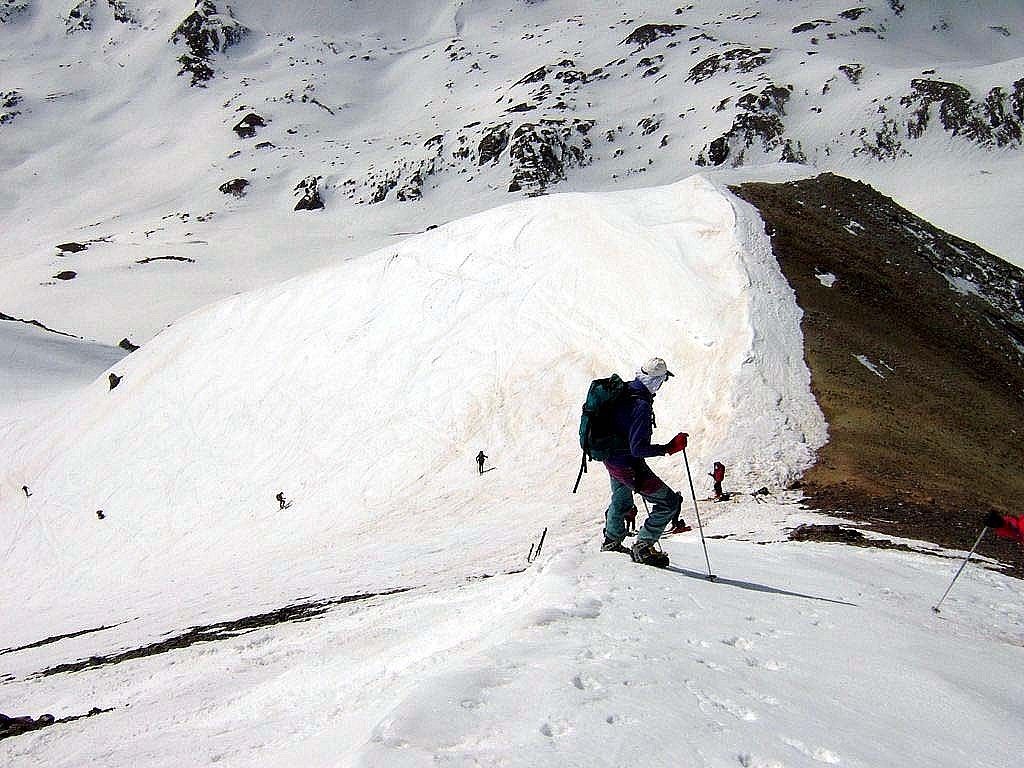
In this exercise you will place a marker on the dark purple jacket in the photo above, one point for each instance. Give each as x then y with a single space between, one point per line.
633 417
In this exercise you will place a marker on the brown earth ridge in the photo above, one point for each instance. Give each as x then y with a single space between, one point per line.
933 438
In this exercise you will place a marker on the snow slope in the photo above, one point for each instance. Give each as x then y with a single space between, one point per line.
364 390
800 655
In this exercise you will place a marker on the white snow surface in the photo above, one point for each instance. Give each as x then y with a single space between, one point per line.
363 391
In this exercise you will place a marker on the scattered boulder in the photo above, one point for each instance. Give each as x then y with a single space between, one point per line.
265 145
234 187
100 515
852 72
8 101
79 17
125 344
205 32
309 189
853 13
67 274
646 34
71 247
114 380
246 127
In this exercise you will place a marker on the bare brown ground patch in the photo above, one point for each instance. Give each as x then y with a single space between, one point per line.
925 451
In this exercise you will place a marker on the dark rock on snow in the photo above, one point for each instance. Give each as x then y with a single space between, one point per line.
11 9
205 32
234 187
246 127
309 189
67 274
493 143
72 247
541 152
114 380
645 35
127 345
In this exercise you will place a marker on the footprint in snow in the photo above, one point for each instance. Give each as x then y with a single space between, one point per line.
707 703
740 643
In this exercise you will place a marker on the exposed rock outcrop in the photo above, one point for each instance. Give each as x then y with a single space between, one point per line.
309 191
997 120
246 127
234 187
11 9
205 32
541 152
646 34
493 143
758 121
81 15
8 101
742 59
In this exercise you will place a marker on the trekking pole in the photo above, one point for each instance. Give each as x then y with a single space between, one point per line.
583 471
693 494
959 570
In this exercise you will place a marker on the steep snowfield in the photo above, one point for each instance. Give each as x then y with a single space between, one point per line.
364 390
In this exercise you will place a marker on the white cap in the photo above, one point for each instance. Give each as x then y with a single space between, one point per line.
656 367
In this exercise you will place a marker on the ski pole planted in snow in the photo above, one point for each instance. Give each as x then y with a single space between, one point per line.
693 495
960 570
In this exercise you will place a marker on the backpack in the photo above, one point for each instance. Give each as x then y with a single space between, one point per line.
597 437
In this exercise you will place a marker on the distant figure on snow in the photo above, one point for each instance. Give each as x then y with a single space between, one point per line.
99 514
631 421
480 459
25 489
282 501
718 475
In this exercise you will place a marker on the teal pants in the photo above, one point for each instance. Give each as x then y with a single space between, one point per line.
638 478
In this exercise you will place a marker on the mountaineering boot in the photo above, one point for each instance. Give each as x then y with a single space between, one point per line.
679 527
647 552
612 545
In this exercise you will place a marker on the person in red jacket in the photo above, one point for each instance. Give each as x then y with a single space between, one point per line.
718 475
1006 526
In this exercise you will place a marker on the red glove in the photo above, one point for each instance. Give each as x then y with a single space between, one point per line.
676 444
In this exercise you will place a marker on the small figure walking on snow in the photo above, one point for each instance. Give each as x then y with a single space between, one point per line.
718 475
25 489
480 459
282 501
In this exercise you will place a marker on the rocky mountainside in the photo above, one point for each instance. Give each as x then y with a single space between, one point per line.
915 341
201 117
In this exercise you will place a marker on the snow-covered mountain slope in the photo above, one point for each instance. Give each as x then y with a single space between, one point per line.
363 391
117 126
801 655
